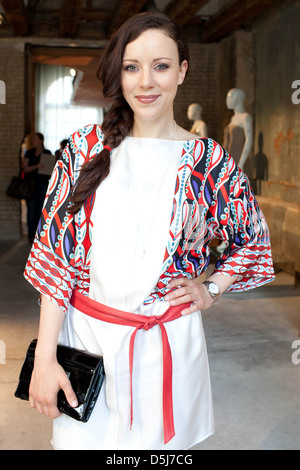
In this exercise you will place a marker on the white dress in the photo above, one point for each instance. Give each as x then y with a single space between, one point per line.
131 218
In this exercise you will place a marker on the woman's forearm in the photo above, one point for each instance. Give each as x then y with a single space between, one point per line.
29 169
48 377
223 281
51 319
189 290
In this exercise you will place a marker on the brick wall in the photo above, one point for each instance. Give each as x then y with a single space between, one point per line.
12 117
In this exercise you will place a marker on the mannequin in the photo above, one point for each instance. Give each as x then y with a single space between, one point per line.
238 135
194 114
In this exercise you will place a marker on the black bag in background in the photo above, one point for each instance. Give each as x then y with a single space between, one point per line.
85 372
20 188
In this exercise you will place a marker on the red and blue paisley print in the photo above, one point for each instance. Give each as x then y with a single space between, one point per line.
212 199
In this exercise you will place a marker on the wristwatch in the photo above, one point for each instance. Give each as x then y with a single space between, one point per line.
213 289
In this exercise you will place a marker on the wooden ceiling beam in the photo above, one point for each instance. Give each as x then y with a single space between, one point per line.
182 11
16 15
69 17
77 55
173 8
124 10
233 17
85 15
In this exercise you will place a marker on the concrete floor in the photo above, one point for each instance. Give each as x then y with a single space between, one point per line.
249 337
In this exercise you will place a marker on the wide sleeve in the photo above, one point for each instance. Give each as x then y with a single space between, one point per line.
50 266
237 218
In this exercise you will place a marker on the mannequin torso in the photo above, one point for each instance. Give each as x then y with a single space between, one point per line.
238 142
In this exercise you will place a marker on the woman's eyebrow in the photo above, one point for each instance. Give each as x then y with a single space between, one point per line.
162 58
154 60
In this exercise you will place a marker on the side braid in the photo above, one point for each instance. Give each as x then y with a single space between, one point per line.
116 126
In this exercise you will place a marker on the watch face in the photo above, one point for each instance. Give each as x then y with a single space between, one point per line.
214 289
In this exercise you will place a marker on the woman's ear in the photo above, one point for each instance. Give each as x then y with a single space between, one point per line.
182 71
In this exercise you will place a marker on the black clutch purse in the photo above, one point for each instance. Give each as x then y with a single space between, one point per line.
85 372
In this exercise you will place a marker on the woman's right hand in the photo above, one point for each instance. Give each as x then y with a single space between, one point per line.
46 381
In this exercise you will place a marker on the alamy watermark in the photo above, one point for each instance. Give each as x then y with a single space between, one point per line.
296 353
2 352
193 225
2 92
296 94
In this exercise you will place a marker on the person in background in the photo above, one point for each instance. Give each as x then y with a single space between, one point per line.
30 166
130 213
62 145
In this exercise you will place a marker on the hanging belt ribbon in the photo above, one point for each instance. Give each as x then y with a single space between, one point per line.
103 312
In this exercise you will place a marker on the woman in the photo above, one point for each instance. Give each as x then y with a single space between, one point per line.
31 165
148 200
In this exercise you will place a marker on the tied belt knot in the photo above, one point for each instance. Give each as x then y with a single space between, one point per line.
111 315
152 321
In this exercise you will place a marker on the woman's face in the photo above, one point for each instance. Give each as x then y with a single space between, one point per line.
151 74
36 141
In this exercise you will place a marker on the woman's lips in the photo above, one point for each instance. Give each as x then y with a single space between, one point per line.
147 99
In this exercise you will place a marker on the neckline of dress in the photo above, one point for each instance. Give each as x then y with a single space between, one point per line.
161 140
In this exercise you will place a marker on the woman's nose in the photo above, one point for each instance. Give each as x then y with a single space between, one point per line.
146 78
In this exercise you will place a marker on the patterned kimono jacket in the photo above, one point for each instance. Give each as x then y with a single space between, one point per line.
212 199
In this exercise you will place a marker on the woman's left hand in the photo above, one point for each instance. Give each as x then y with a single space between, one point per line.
189 291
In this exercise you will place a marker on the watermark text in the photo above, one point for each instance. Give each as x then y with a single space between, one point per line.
296 353
296 94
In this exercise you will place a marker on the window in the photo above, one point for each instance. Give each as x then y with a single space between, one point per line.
56 117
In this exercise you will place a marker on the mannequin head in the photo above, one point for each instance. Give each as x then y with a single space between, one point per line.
235 97
194 112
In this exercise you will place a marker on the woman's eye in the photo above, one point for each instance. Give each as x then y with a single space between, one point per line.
161 66
130 68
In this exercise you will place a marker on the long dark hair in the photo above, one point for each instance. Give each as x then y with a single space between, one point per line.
119 119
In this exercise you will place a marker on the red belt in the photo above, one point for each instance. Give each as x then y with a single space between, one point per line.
103 312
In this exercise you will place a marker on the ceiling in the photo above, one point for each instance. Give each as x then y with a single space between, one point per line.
73 33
